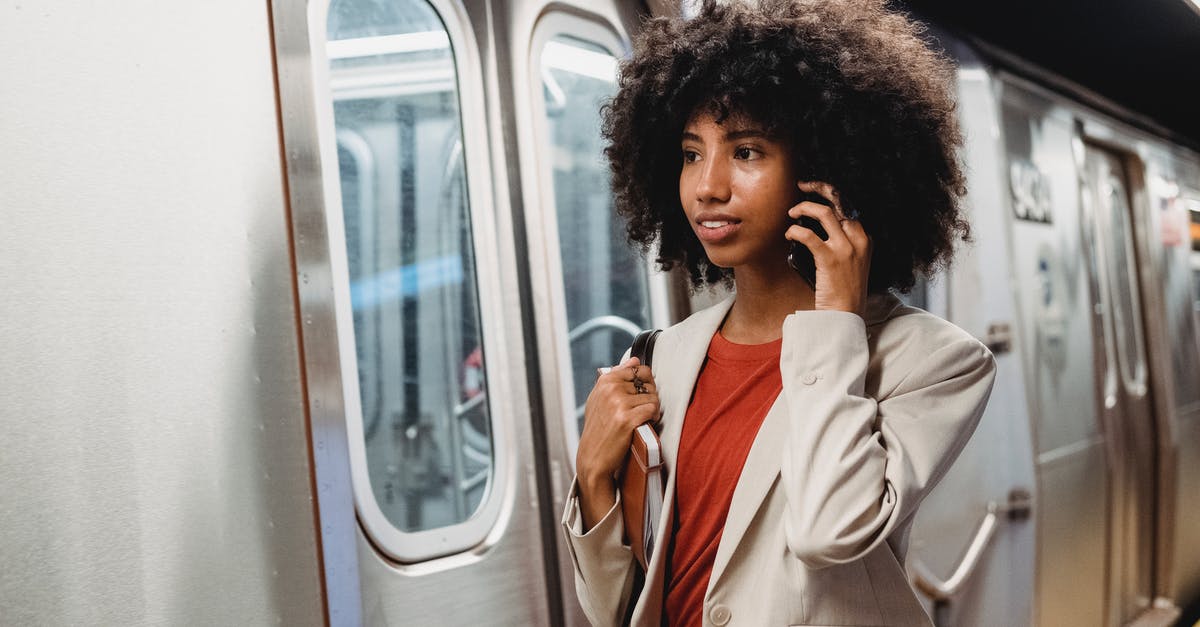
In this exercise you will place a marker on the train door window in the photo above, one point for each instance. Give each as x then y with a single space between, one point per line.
1122 273
604 281
422 438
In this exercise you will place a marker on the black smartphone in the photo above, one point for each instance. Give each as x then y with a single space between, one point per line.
800 258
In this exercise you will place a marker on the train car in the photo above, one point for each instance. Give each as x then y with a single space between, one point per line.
303 301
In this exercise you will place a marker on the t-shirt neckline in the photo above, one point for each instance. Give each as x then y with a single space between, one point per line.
724 349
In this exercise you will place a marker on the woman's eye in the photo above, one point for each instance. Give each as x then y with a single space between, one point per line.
744 153
689 156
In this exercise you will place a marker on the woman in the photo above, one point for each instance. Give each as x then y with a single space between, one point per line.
802 421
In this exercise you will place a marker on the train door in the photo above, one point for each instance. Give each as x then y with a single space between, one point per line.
592 291
412 340
1072 451
1169 245
1126 411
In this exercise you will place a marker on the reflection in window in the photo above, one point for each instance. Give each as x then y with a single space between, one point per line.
604 280
412 272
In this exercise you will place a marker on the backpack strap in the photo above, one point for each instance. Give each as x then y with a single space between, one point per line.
643 345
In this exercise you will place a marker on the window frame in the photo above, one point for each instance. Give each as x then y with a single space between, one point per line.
475 533
561 21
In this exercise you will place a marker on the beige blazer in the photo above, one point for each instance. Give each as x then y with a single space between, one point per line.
873 411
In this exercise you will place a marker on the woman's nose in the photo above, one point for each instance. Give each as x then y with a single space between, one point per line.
713 185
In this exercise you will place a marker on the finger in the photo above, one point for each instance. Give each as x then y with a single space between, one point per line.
637 400
825 190
830 193
619 368
857 235
638 372
809 238
642 414
829 221
631 387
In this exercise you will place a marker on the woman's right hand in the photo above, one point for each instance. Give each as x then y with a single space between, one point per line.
614 410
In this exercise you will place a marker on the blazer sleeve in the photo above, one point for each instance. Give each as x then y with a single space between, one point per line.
854 469
604 564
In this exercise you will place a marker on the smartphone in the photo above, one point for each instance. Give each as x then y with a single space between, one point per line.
800 258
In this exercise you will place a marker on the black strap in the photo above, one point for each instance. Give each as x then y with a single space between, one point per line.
643 349
643 345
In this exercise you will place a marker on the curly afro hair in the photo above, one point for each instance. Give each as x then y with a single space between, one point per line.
850 86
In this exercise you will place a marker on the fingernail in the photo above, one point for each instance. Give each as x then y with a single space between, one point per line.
603 370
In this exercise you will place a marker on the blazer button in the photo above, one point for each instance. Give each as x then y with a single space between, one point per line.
720 615
809 379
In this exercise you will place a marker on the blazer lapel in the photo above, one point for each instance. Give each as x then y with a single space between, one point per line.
678 357
766 455
678 376
758 475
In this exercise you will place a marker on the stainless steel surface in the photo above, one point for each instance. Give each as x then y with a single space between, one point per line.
308 186
1163 271
1073 535
156 467
504 571
530 26
1142 441
943 591
1051 279
1127 413
1172 186
178 450
976 296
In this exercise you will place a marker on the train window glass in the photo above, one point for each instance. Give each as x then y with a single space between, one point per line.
426 424
1123 279
604 279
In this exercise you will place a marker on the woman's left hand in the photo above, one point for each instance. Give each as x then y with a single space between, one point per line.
844 260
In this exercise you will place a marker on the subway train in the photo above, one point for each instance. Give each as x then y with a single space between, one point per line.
303 300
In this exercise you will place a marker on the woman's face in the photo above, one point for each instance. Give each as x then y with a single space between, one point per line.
736 187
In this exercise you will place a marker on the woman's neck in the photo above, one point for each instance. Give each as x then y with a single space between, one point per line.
764 298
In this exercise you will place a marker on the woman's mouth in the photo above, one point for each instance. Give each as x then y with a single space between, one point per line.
716 231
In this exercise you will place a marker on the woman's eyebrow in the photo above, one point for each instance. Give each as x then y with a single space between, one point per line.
745 133
733 135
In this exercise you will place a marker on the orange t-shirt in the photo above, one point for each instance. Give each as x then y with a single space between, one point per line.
735 390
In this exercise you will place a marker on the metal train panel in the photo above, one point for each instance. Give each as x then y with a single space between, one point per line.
324 363
405 233
992 482
591 292
156 467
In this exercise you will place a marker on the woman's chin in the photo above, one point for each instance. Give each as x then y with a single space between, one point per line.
723 261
